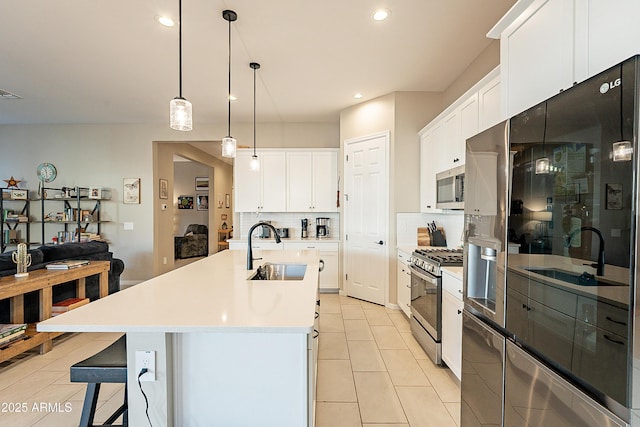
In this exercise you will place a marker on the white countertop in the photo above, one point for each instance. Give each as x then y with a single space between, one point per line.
210 295
287 240
453 271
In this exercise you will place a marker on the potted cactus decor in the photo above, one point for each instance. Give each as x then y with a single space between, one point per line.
22 260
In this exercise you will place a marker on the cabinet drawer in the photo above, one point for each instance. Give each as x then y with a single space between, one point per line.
310 245
403 258
605 316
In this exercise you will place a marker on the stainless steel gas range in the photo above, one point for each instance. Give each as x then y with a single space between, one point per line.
426 296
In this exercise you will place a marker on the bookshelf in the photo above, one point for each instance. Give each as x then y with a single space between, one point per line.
14 218
81 207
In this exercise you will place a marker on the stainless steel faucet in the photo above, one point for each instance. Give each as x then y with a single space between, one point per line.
600 264
249 251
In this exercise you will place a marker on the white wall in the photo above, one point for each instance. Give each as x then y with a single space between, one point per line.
102 155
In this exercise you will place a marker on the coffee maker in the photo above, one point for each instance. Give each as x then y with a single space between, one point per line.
322 227
305 224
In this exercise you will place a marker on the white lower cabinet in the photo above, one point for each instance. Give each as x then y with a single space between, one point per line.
452 306
404 283
328 254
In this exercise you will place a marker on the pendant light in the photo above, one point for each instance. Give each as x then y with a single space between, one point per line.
254 164
180 112
622 151
543 164
229 142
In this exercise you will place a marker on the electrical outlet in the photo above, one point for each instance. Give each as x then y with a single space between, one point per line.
146 359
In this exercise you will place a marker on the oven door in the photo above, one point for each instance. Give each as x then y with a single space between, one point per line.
426 301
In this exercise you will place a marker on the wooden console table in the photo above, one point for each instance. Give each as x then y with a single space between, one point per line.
43 281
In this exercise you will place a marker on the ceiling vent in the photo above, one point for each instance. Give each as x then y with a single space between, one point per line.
8 95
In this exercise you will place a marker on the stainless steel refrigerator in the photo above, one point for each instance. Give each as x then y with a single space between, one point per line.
550 260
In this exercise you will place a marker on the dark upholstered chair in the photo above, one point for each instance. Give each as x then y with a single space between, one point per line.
194 243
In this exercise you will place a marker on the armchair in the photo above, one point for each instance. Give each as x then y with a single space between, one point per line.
194 243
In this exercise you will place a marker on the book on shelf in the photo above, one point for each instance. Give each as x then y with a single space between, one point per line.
11 331
66 265
67 305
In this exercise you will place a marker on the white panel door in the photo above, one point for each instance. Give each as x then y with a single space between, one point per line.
366 218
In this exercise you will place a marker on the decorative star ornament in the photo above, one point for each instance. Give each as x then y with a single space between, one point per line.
11 182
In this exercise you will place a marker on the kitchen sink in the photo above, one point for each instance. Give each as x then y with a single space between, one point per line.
271 271
584 279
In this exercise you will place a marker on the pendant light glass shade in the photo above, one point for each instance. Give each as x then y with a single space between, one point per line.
229 147
180 111
229 142
254 163
180 114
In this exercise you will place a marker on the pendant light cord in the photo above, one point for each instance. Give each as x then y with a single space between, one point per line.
254 112
180 42
229 94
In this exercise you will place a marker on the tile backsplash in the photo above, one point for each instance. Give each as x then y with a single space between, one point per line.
292 221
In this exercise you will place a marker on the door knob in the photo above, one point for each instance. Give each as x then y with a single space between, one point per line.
380 242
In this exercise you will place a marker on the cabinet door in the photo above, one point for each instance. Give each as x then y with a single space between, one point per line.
551 333
329 275
489 105
247 183
273 172
468 113
427 172
325 181
613 34
447 143
404 288
538 54
452 332
299 182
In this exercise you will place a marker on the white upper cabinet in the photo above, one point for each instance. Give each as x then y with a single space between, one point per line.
548 45
537 55
263 190
312 181
288 181
443 141
489 105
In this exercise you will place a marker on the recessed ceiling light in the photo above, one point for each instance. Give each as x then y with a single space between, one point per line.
381 14
357 95
166 21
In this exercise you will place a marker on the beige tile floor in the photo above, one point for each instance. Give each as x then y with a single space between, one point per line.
371 372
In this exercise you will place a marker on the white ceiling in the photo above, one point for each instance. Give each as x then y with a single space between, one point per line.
109 61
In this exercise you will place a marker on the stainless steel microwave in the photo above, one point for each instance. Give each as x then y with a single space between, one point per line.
450 188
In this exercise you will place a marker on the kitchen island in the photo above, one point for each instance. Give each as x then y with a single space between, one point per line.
229 351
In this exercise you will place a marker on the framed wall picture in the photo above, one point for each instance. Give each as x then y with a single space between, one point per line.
614 196
202 201
95 192
131 190
185 202
163 189
202 183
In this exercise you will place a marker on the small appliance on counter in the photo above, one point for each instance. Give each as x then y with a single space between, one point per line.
283 232
305 224
322 227
264 232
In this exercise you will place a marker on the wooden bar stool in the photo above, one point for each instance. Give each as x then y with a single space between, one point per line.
107 366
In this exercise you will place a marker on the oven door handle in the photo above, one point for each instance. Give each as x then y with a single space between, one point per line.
431 279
